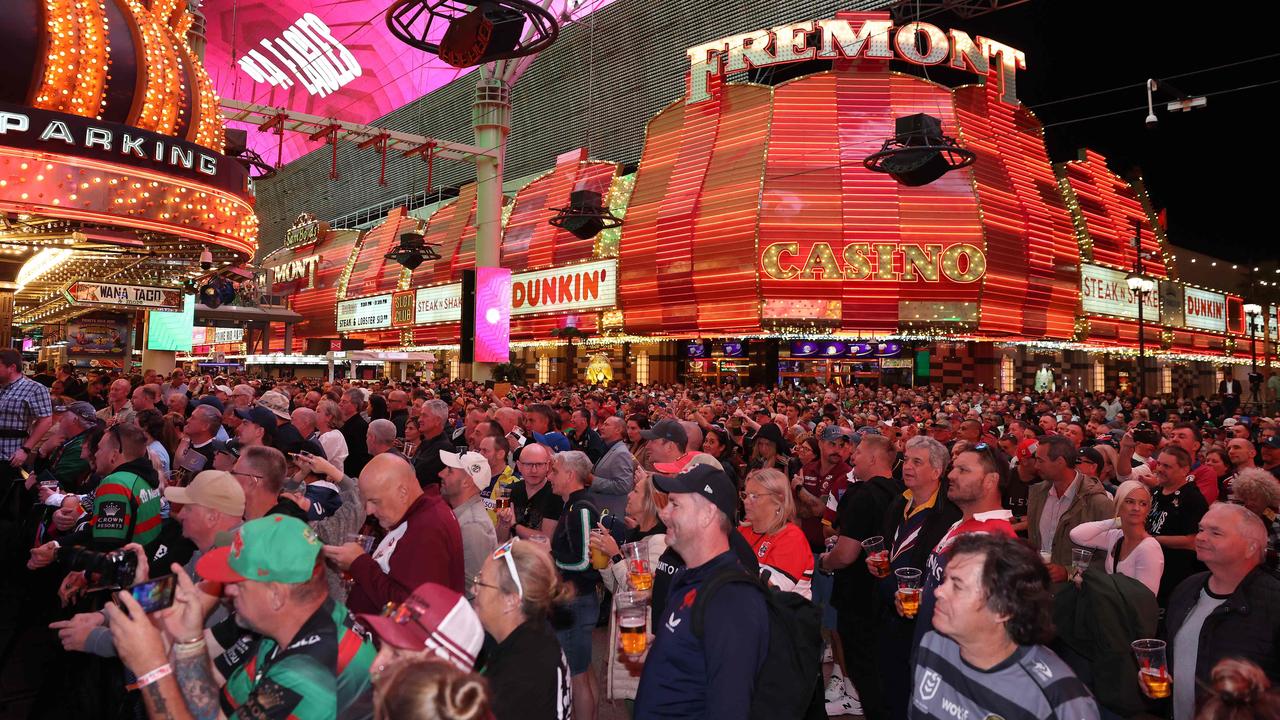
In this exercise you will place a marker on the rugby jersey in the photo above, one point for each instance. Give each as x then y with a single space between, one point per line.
784 557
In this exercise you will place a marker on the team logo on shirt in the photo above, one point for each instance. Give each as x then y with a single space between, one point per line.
929 685
1042 670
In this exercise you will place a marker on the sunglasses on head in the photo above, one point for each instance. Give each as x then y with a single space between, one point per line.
504 552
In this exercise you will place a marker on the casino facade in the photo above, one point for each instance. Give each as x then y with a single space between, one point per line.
756 247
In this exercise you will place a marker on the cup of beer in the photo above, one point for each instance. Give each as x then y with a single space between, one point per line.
1080 559
503 500
909 582
639 574
877 556
599 560
1153 669
365 542
633 618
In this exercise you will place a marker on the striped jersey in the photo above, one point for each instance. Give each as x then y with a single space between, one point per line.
126 506
1031 684
785 559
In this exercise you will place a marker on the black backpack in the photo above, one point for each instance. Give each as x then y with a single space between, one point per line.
789 684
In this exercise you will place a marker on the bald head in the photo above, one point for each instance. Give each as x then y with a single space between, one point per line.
693 435
304 419
389 486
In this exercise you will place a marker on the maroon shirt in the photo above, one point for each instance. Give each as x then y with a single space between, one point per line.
819 484
425 546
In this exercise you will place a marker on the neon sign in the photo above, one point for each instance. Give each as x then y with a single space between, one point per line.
850 36
318 60
962 262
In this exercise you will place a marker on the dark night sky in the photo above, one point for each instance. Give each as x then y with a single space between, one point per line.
1213 168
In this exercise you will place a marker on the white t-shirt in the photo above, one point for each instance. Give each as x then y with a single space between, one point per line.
1186 648
1145 564
335 448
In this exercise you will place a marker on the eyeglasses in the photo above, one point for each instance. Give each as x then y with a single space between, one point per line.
476 582
532 465
753 497
248 475
504 552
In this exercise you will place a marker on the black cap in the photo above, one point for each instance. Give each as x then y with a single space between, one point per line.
667 430
259 416
771 432
1091 455
1272 442
704 480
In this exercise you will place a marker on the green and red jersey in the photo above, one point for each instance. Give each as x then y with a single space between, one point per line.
126 506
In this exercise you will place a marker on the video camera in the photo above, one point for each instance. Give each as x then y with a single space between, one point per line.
1143 432
115 569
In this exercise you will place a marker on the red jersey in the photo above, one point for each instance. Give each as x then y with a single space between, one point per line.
784 556
821 485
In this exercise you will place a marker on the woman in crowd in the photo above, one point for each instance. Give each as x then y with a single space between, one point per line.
1215 458
378 408
786 561
329 424
162 440
643 527
1131 550
766 452
717 444
1259 491
514 595
430 689
571 548
807 450
636 424
412 436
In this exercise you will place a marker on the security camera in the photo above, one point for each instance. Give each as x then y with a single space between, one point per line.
206 260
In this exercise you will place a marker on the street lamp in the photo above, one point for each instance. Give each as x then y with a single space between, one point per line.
1141 286
1253 312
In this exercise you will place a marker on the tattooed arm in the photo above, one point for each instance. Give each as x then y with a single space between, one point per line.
195 676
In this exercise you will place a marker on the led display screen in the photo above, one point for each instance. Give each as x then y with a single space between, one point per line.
172 330
493 315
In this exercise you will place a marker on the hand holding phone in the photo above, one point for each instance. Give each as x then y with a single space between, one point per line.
154 595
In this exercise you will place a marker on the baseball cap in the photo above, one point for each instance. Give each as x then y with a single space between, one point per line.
276 403
1027 449
686 461
704 480
432 617
832 433
81 409
222 389
275 548
667 430
475 465
554 440
1090 455
1230 422
1272 442
215 489
259 416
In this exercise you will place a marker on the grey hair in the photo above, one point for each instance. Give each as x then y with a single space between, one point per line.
438 409
329 409
1256 483
357 398
938 455
210 415
383 430
576 462
1249 525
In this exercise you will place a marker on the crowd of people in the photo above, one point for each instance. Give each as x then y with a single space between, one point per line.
227 546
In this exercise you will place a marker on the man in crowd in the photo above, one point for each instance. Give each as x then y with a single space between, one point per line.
304 419
355 430
398 409
1187 436
307 659
286 438
860 515
535 508
583 437
242 396
465 475
423 541
1232 611
432 424
1176 509
666 441
1271 455
709 677
987 656
145 397
66 463
257 427
461 437
261 472
381 437
1064 500
118 409
615 469
199 444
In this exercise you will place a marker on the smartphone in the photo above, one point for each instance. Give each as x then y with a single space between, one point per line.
154 595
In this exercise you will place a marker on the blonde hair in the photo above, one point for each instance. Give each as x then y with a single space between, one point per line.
430 689
542 586
775 483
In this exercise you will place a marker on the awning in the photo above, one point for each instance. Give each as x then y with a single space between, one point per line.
241 315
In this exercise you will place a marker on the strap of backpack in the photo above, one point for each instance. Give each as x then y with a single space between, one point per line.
708 589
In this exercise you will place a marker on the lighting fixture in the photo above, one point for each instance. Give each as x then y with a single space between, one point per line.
585 216
412 251
918 153
476 32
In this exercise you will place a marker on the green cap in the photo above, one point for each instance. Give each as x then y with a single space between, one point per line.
275 548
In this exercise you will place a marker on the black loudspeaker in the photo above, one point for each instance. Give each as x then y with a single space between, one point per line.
467 334
477 37
919 152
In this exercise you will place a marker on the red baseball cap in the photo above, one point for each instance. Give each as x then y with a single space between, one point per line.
433 617
1026 448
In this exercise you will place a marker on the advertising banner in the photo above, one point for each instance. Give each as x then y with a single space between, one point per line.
1204 310
370 313
97 337
1105 292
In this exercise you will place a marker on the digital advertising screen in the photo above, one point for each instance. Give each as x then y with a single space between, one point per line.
172 330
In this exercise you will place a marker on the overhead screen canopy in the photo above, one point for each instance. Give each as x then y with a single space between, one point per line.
332 58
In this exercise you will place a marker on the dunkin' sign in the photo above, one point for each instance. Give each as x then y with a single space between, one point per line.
1205 310
578 288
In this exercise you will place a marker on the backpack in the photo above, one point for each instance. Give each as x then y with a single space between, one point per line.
789 684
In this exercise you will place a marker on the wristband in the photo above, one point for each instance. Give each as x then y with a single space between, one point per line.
189 648
163 671
616 558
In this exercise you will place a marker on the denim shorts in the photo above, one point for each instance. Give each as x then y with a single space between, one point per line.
575 638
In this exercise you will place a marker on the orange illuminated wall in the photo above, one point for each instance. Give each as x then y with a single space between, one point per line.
1105 208
690 228
530 241
452 231
818 194
1032 287
315 304
372 273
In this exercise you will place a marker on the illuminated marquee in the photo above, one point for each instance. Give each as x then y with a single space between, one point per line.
312 54
300 269
849 37
963 263
1204 310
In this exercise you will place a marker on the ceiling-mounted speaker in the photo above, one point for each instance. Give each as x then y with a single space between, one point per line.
585 216
210 296
919 153
474 33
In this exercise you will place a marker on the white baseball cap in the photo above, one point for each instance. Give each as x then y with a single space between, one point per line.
473 463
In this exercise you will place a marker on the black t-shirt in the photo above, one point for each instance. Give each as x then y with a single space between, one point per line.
860 514
530 512
287 439
1177 513
1013 496
528 676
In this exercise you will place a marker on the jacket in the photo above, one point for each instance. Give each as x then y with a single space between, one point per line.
427 464
1097 623
1090 503
425 546
615 472
1246 625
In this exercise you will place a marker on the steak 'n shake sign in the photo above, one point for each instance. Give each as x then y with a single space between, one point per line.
1106 292
850 36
